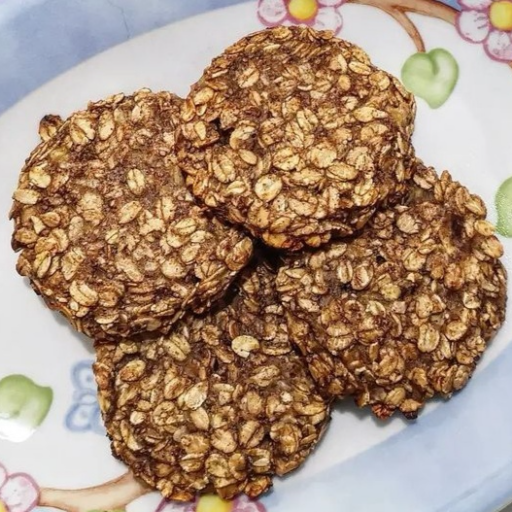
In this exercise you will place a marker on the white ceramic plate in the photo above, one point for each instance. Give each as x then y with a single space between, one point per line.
55 55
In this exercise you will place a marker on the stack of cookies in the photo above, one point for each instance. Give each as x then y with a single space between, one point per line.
247 255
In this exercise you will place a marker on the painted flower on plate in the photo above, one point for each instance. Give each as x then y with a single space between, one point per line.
18 492
210 503
319 14
488 22
84 414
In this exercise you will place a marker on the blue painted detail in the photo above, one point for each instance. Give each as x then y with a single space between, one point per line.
452 3
458 458
84 414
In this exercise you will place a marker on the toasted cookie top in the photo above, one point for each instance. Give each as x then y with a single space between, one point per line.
108 233
222 404
296 135
405 310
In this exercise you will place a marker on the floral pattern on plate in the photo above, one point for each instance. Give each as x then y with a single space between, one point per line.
84 413
488 22
319 14
210 503
18 492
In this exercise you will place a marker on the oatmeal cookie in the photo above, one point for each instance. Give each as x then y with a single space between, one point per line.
404 311
108 233
49 125
295 135
220 405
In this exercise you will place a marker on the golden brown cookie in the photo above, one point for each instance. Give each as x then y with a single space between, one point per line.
295 135
220 405
49 125
108 233
404 311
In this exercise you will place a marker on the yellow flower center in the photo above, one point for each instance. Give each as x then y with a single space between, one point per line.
210 503
501 15
303 10
3 507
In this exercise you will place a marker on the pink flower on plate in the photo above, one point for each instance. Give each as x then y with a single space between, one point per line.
488 22
319 14
18 492
210 503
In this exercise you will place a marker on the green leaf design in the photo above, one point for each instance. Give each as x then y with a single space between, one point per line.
431 76
503 202
23 407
